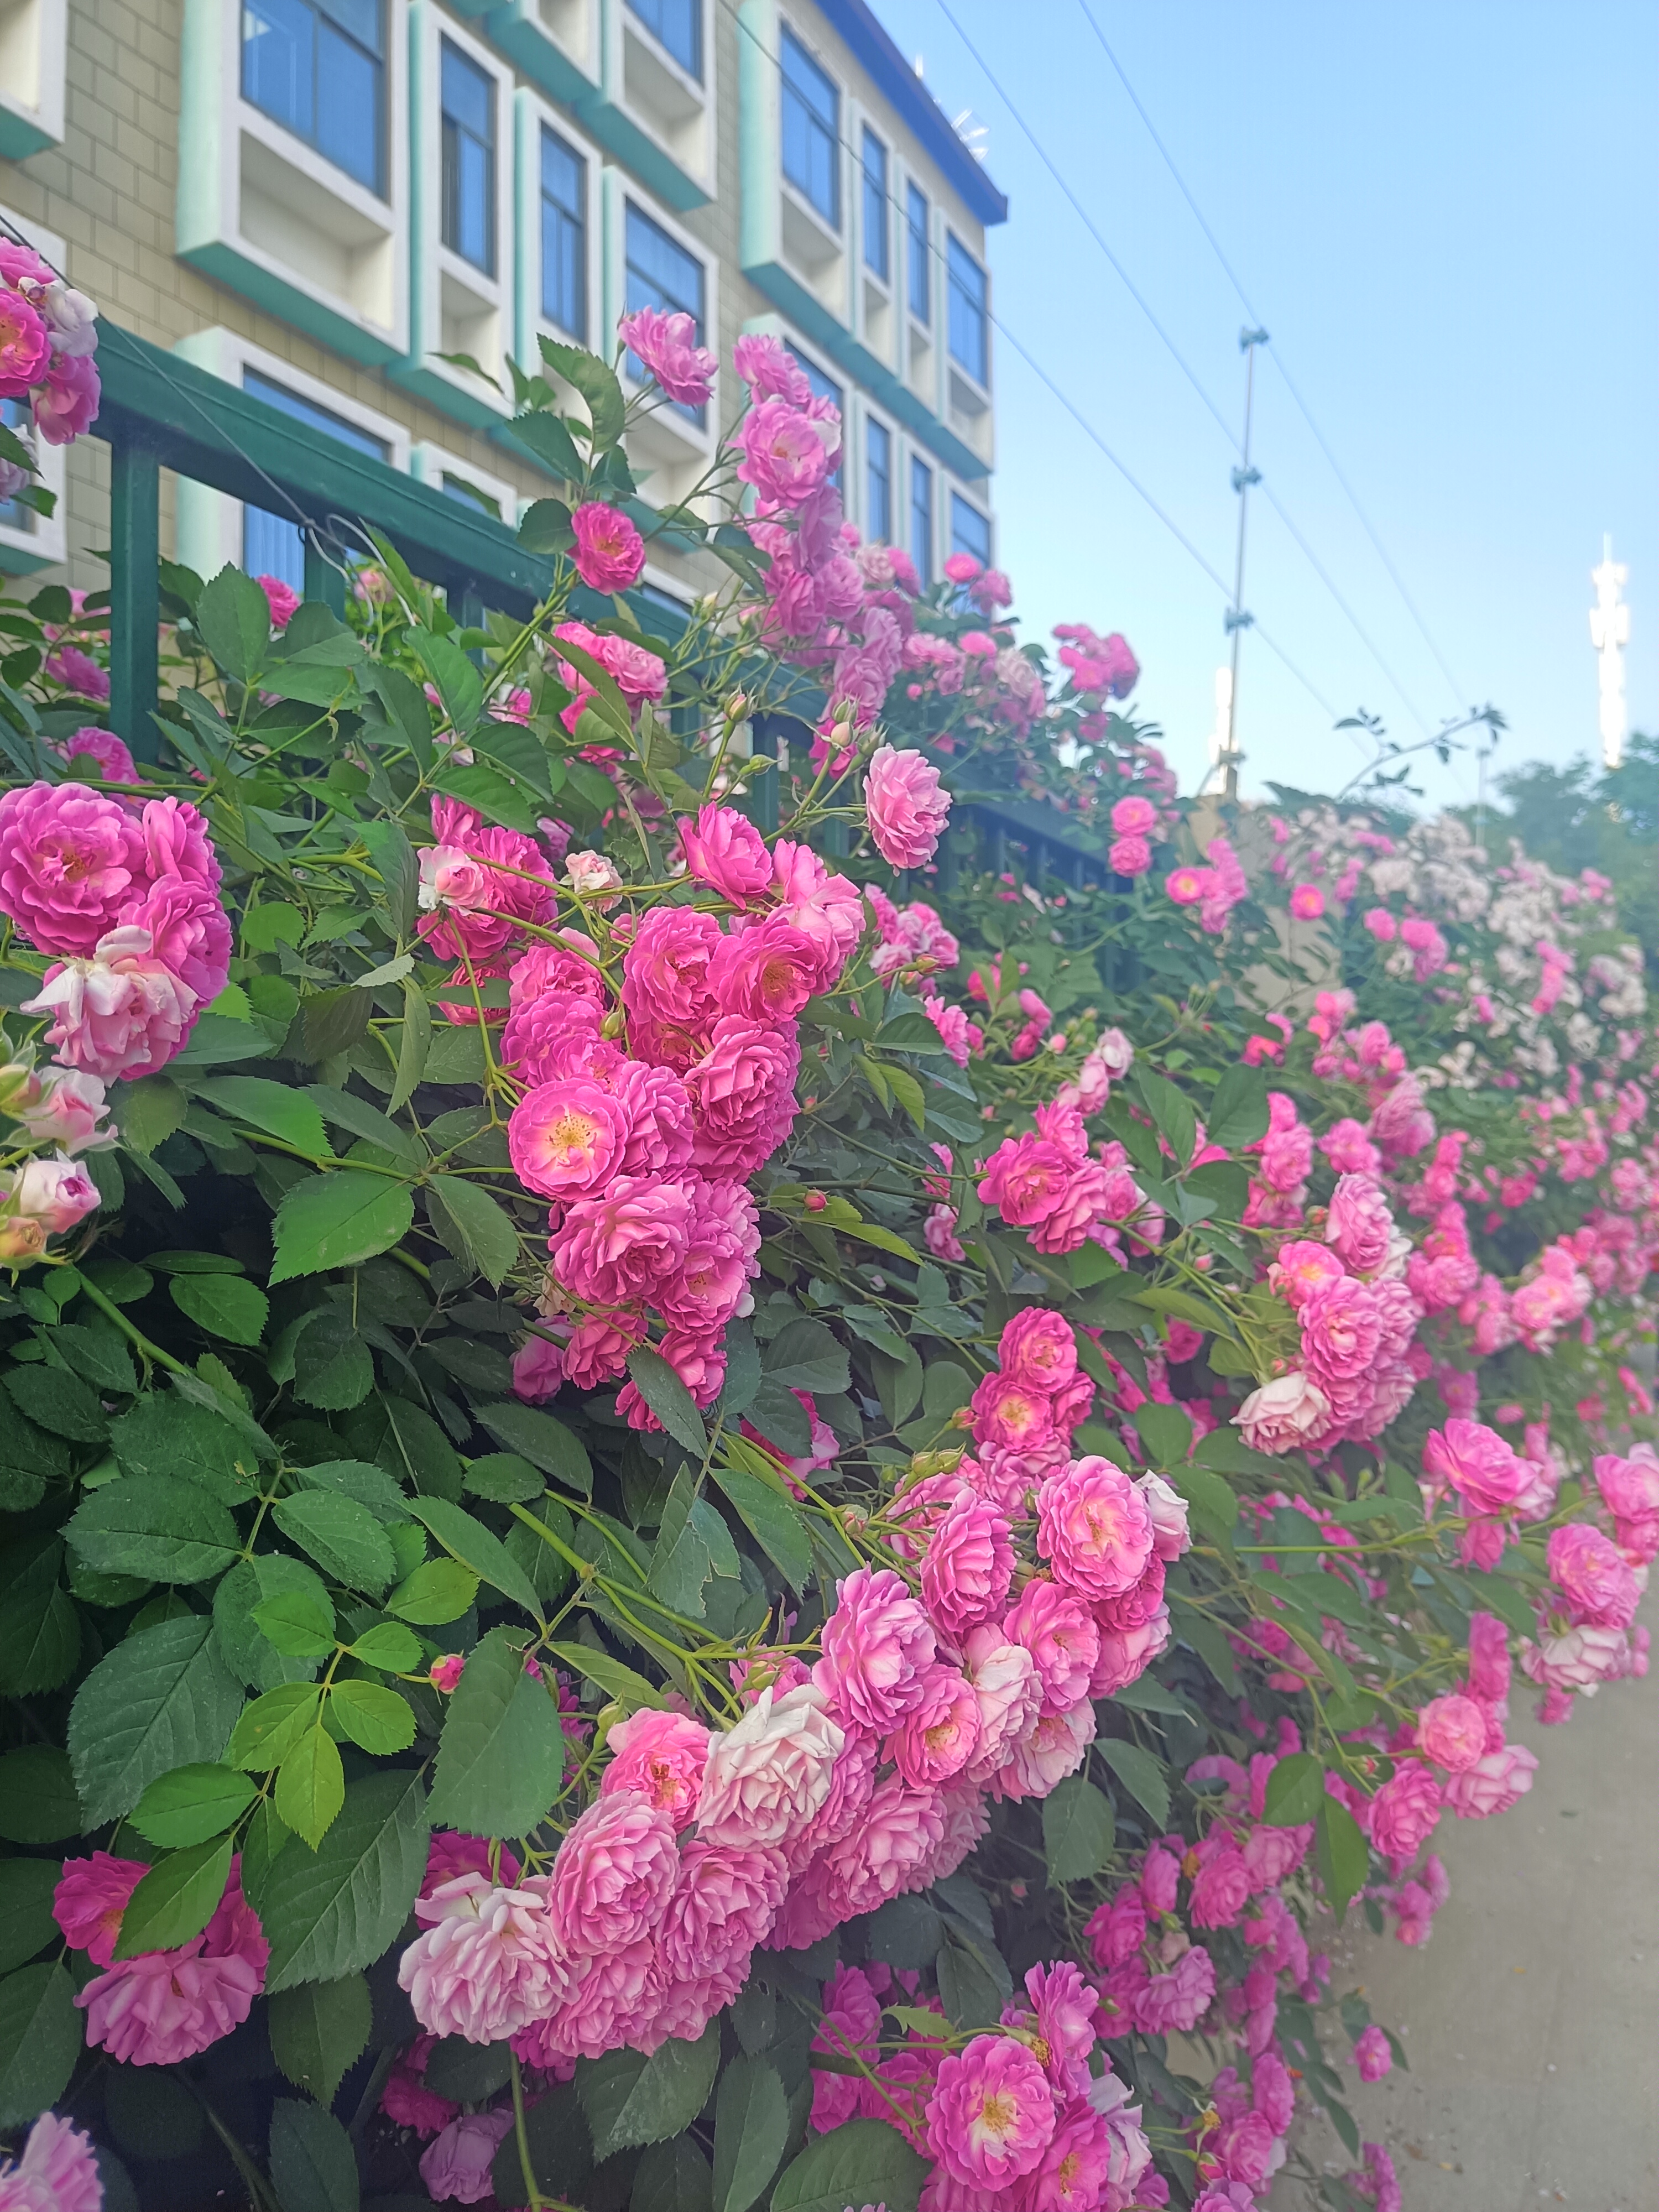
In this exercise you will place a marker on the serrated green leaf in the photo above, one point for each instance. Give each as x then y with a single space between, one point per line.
862 2162
630 2100
475 1546
618 1681
175 1900
153 1525
225 1305
40 2041
1344 1856
26 1925
311 1784
268 1730
751 2126
472 1225
299 1622
336 1220
502 1756
1141 1775
248 1652
668 1399
334 1912
161 1699
312 2164
389 1646
1295 1790
1078 1831
437 1591
40 1627
278 1108
318 2031
375 1718
191 1805
773 1519
232 619
341 1535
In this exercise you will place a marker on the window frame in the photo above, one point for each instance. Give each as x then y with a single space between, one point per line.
918 254
879 193
927 565
450 127
582 220
959 498
876 425
532 115
790 38
380 186
29 126
954 290
696 70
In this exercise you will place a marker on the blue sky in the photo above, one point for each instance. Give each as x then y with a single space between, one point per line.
1446 217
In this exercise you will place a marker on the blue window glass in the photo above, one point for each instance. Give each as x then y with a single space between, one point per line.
876 255
470 495
271 543
971 531
824 387
877 482
564 236
915 230
318 67
16 416
677 25
468 102
658 272
812 131
969 318
921 519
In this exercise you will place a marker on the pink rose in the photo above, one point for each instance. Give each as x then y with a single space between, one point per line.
282 598
1177 2002
1303 1269
456 2167
1452 1731
725 851
1160 1877
991 2116
553 1037
25 344
662 1756
1127 1653
1006 1685
189 932
825 908
489 1960
615 2000
1283 1415
1054 1746
1056 1629
89 1899
722 1906
55 1193
1404 1810
121 1013
1038 1348
614 1873
766 1777
667 994
940 1734
1129 856
666 346
1222 1885
69 861
1359 1225
66 404
1166 1509
620 1248
1094 1528
1580 1658
1495 1782
537 1371
786 452
1477 1464
968 1566
743 1095
766 973
567 1138
57 2172
906 805
1592 1575
112 760
167 2006
609 552
877 1645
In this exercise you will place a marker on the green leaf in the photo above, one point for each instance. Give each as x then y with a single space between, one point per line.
156 1526
26 1925
630 2100
312 2165
278 1108
359 1119
1212 1499
971 1993
38 1801
1238 1110
40 1627
57 1402
375 1718
342 1536
862 2162
1078 1831
1171 1111
438 1590
543 1441
674 2177
389 1646
597 382
299 1622
167 1434
333 1021
218 1039
318 2031
1343 1853
191 1805
772 1520
468 2073
1227 1451
668 1399
561 2153
268 1730
618 1681
40 2041
804 1356
248 1650
1295 1789
334 1368
336 1220
780 1418
149 1111
503 1479
1165 1432
545 435
224 1305
396 865
1141 1775
502 1756
334 1912
311 1784
472 1225
457 682
414 1043
176 1900
473 1544
233 616
371 1485
751 2126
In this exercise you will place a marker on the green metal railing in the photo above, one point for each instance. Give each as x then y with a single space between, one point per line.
159 412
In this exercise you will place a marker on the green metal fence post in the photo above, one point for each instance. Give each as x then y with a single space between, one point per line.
324 582
762 807
135 503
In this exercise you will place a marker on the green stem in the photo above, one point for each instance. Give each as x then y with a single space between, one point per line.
151 1351
533 2197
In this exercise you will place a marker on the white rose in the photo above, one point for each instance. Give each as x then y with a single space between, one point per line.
767 1777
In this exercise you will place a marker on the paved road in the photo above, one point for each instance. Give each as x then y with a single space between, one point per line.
1531 2020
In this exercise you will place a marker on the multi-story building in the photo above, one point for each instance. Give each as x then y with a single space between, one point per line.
365 211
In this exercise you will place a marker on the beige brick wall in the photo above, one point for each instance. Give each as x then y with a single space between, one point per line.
109 191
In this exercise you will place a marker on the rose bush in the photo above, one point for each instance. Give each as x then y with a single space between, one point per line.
670 1542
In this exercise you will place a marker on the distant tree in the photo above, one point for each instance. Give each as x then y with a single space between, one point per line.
1582 817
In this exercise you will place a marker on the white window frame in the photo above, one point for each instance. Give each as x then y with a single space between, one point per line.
858 504
667 443
218 130
827 271
438 273
954 487
34 56
531 114
429 463
914 449
565 64
44 543
634 130
207 530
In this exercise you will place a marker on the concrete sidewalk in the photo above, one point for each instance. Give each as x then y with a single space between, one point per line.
1531 2020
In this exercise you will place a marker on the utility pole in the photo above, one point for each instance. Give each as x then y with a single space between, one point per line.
1609 624
1237 621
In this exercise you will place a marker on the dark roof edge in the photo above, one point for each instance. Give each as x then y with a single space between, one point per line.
857 24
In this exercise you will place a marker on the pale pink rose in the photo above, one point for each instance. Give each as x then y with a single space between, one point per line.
1167 1509
662 1755
940 1735
55 1193
591 874
1452 1731
1009 1692
877 1645
120 1012
456 2167
68 1110
614 1873
56 2173
1359 1225
1404 1810
167 2006
1062 1638
488 1962
991 2116
1592 1575
1630 1491
1579 1658
1127 1653
1270 1854
1495 1781
1054 1745
851 1784
1094 1528
767 1777
968 1564
666 344
722 1906
906 804
1283 1415
189 932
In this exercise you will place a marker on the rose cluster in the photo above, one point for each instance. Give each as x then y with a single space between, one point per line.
1048 1182
48 336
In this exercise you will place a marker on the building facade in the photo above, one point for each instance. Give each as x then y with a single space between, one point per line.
366 211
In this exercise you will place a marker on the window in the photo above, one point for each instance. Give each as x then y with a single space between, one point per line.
469 159
677 25
271 543
470 495
564 236
971 531
822 387
878 481
660 273
921 519
318 67
877 257
968 313
915 224
16 416
812 131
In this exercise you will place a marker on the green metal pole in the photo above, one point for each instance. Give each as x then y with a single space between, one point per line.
323 581
135 502
763 805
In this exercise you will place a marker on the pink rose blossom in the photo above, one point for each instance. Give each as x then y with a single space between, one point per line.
968 1567
1064 1642
725 851
407 2102
786 451
1222 1885
1283 1415
282 598
1359 1225
742 1095
722 1906
1126 1652
624 1246
906 807
1494 1783
1452 1731
991 2116
1175 2002
89 1899
609 552
877 1645
1129 856
115 765
1166 1509
1579 1658
661 1755
189 933
1307 902
120 1012
1054 1746
767 1777
617 1999
614 1873
1009 1693
765 973
456 2167
25 344
537 1371
1592 1575
1038 1347
940 1734
489 1960
1008 1410
66 406
56 2173
1094 1528
666 346
167 2006
1477 1464
1404 1811
567 1138
49 1196
70 860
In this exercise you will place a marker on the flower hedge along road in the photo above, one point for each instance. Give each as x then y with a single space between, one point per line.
685 1529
